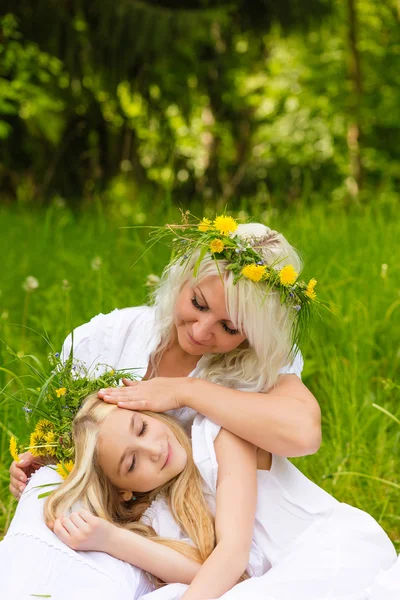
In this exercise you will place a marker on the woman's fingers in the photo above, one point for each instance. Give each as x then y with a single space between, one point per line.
19 473
129 382
15 491
128 387
135 405
114 395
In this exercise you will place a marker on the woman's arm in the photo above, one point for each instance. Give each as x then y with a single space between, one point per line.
284 421
83 531
234 520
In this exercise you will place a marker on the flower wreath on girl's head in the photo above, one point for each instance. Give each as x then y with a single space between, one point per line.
53 405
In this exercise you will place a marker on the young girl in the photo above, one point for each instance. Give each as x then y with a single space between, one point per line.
195 519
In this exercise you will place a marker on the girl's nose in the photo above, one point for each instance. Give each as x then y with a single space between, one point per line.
153 448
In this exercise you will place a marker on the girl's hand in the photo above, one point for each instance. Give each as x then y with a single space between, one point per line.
20 473
83 531
158 395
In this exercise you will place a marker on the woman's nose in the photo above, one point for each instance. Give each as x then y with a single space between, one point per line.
202 330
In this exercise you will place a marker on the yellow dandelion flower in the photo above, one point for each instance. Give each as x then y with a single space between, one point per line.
14 449
50 439
216 245
64 468
44 426
310 291
288 275
61 392
37 444
254 272
205 225
111 372
225 224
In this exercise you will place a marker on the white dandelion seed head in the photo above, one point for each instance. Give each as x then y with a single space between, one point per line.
30 284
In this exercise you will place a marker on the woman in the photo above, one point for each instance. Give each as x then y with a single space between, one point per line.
142 496
211 344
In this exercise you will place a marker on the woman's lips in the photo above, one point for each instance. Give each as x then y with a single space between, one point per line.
194 341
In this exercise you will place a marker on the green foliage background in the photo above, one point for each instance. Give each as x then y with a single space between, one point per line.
287 101
115 114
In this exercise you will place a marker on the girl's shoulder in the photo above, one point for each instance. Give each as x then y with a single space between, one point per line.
204 434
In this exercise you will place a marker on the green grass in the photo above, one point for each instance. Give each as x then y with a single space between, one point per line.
350 361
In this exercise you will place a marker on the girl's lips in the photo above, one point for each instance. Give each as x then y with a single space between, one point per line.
169 453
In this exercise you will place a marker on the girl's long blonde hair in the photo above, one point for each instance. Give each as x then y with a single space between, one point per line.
88 485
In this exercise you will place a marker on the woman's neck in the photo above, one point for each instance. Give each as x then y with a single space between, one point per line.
174 361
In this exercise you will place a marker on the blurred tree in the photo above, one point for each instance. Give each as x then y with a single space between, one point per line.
216 100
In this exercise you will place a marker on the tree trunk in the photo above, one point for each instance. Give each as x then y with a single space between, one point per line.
354 128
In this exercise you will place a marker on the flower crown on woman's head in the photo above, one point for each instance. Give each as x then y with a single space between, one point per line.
221 239
54 405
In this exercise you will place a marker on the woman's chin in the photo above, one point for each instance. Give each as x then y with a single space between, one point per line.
190 347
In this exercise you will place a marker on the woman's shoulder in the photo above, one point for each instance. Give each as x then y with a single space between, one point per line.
296 366
93 341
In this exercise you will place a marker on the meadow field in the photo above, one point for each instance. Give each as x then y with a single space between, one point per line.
83 265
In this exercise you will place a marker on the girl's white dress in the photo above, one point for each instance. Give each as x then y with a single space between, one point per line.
306 545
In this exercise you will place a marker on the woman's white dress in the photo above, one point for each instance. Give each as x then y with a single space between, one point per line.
306 545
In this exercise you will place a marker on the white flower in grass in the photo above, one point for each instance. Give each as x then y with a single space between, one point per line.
96 263
384 270
152 280
30 284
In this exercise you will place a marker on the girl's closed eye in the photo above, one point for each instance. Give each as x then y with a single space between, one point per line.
132 464
143 429
141 432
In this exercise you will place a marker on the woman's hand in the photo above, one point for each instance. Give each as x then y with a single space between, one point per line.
83 531
158 395
20 473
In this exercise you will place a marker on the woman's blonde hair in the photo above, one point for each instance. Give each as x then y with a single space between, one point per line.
88 485
260 316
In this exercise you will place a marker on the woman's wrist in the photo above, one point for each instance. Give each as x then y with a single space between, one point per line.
191 392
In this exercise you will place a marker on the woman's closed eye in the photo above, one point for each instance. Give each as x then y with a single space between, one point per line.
197 305
224 325
228 330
